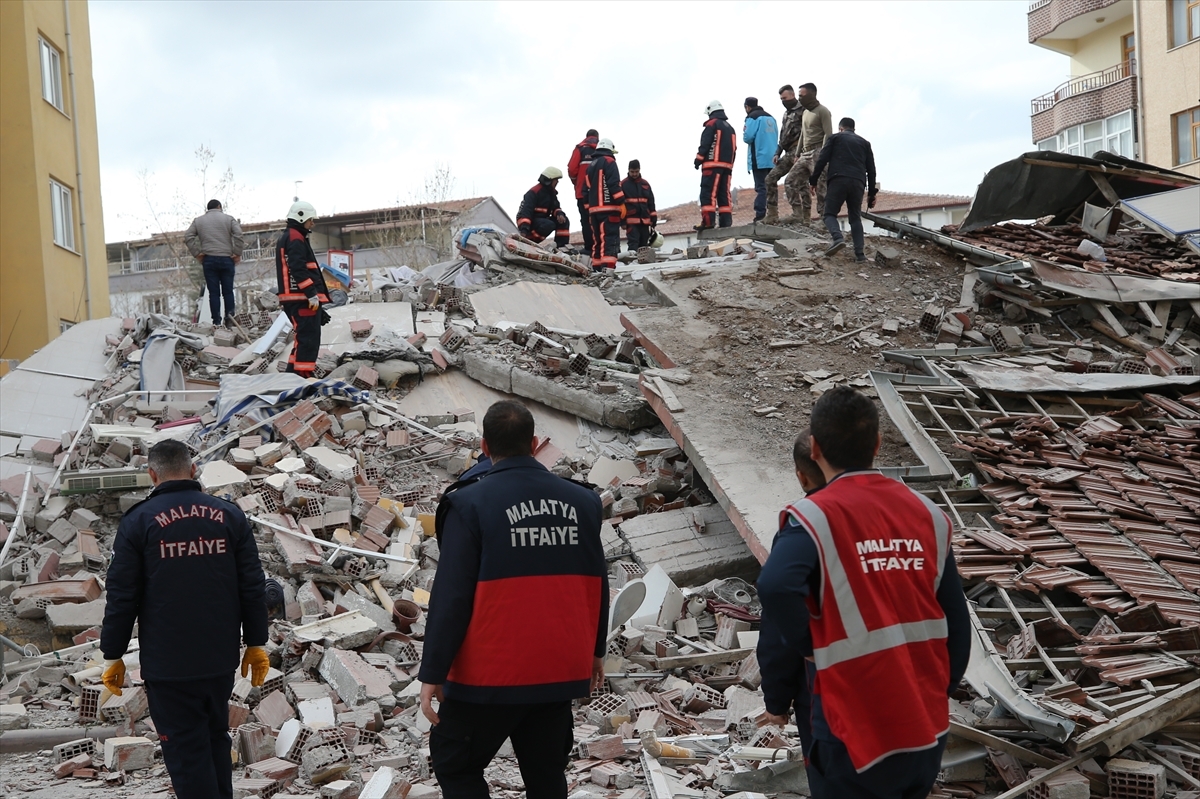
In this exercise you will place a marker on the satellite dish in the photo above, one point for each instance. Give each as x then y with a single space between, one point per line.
626 603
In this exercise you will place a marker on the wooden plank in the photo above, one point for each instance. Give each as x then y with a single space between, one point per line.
1105 188
668 395
1066 765
1119 733
1109 317
1001 745
705 659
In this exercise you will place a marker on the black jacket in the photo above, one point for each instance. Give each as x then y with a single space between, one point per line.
718 143
297 275
519 606
540 202
603 189
847 155
639 202
185 567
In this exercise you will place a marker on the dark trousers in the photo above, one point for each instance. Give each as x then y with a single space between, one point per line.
637 236
606 240
907 775
544 227
760 193
307 324
470 734
218 279
848 192
585 223
192 720
715 207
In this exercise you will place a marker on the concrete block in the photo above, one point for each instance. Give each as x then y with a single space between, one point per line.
353 601
317 713
354 680
72 619
1068 785
13 717
69 767
84 519
1134 778
340 789
386 783
274 710
128 754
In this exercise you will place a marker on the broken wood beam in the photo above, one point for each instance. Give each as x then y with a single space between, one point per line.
1112 737
702 659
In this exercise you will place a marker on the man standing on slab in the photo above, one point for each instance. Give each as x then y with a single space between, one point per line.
215 240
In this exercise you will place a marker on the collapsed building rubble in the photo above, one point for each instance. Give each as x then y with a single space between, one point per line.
674 386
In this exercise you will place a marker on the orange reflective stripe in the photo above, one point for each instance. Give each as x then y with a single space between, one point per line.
303 284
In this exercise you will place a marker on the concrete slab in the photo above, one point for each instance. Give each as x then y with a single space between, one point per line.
692 545
756 230
394 316
566 307
750 488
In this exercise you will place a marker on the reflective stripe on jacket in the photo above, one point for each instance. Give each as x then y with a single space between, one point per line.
577 167
297 275
878 631
603 188
639 202
540 202
718 143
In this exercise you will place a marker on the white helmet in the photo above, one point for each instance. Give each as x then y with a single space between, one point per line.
552 173
606 144
302 211
715 105
657 240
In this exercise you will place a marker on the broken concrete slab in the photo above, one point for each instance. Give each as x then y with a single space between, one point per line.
346 631
355 680
566 307
759 231
692 545
71 619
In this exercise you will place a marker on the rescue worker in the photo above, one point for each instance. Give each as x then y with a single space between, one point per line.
760 132
785 153
861 597
577 169
850 161
718 148
606 205
816 126
641 217
185 567
518 617
301 287
540 213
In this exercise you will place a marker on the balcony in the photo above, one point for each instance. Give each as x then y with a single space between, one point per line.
1072 19
1084 99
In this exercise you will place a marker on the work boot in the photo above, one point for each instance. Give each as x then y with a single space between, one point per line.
835 248
229 321
772 217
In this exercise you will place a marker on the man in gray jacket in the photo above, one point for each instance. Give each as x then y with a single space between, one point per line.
215 239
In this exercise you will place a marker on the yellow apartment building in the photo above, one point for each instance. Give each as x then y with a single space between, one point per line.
1134 83
53 269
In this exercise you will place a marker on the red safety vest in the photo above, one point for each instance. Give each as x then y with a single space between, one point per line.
878 632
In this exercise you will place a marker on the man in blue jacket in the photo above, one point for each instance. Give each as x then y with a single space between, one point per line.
185 568
518 617
762 134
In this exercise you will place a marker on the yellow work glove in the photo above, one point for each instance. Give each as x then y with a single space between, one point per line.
624 212
255 660
114 675
313 303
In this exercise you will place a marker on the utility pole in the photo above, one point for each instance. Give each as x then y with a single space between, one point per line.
296 198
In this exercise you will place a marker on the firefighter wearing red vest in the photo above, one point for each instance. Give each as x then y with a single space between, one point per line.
606 205
518 616
863 604
577 169
641 216
540 214
718 147
301 287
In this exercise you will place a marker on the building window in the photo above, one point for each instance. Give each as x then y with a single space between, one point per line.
1185 21
51 74
1187 136
1114 134
1129 53
62 214
157 304
64 325
1118 134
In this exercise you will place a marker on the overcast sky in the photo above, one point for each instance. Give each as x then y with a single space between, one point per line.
362 101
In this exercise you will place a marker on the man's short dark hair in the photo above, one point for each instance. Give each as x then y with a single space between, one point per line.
802 457
508 429
214 204
592 132
812 87
170 459
846 123
845 424
787 87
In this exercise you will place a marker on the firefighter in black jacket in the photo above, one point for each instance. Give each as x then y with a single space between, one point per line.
640 217
718 147
301 287
518 616
185 567
540 213
606 205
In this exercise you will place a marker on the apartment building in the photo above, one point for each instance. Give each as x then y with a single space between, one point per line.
53 272
1134 84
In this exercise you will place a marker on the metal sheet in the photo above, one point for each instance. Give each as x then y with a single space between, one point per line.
1173 213
991 378
924 446
1110 286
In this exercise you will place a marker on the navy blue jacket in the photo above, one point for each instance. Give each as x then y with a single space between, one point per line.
519 606
185 567
789 576
847 155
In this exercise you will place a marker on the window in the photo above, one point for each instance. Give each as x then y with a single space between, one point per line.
1187 136
1118 134
51 74
157 304
1129 53
62 214
1114 134
64 325
1185 21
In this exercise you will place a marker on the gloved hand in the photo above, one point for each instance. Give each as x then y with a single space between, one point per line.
871 200
313 303
624 211
697 163
524 230
256 662
114 675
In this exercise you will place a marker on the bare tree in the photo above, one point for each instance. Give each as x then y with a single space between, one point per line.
418 233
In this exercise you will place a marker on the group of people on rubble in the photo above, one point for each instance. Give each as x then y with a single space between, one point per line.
864 629
804 152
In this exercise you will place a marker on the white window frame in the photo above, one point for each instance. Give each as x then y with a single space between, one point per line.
157 303
62 215
1072 141
51 64
64 325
